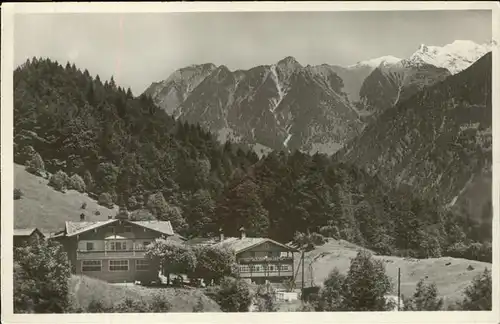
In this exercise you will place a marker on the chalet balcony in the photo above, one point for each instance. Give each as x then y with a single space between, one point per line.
110 254
265 259
260 274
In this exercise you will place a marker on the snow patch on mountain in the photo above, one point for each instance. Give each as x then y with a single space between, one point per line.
455 57
285 143
279 88
376 62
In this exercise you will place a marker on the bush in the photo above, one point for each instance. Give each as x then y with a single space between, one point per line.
18 194
331 295
105 200
329 231
317 239
41 275
478 293
96 306
233 295
35 165
364 288
199 307
76 182
172 257
130 305
366 284
265 299
160 304
425 298
214 263
59 181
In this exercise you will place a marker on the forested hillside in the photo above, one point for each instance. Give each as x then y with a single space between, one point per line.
130 151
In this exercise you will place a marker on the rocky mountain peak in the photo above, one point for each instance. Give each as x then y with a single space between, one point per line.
289 62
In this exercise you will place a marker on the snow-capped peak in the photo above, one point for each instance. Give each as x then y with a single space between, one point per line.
376 62
455 57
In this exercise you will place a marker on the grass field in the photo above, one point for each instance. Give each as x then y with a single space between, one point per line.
43 207
84 289
449 274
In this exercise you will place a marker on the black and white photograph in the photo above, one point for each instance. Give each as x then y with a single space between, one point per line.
249 161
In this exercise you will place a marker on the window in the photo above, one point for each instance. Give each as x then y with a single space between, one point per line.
118 246
269 254
244 268
90 246
128 229
113 230
256 268
118 265
91 265
272 268
142 265
284 267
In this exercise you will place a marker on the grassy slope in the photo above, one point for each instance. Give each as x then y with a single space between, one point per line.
48 209
83 289
450 279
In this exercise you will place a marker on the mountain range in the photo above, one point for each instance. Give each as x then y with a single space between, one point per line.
288 106
438 143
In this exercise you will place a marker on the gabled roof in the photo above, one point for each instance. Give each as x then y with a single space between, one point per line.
75 228
202 241
160 226
242 244
25 231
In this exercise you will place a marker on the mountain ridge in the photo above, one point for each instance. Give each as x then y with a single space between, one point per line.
254 107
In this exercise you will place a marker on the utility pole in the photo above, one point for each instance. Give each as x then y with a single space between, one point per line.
399 288
302 271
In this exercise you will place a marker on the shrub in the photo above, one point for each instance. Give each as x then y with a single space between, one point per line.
366 285
364 288
233 295
331 295
478 293
59 181
130 305
160 304
425 298
35 165
18 194
105 200
199 307
317 239
214 263
97 306
171 256
76 182
329 231
41 277
265 299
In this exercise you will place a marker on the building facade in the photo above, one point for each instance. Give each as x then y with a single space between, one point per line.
113 250
23 236
260 260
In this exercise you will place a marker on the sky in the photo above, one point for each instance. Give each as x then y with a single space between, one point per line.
140 48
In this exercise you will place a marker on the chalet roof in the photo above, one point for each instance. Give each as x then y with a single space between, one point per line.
75 228
242 244
25 231
160 226
202 241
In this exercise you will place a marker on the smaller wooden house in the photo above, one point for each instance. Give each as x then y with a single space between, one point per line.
24 236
